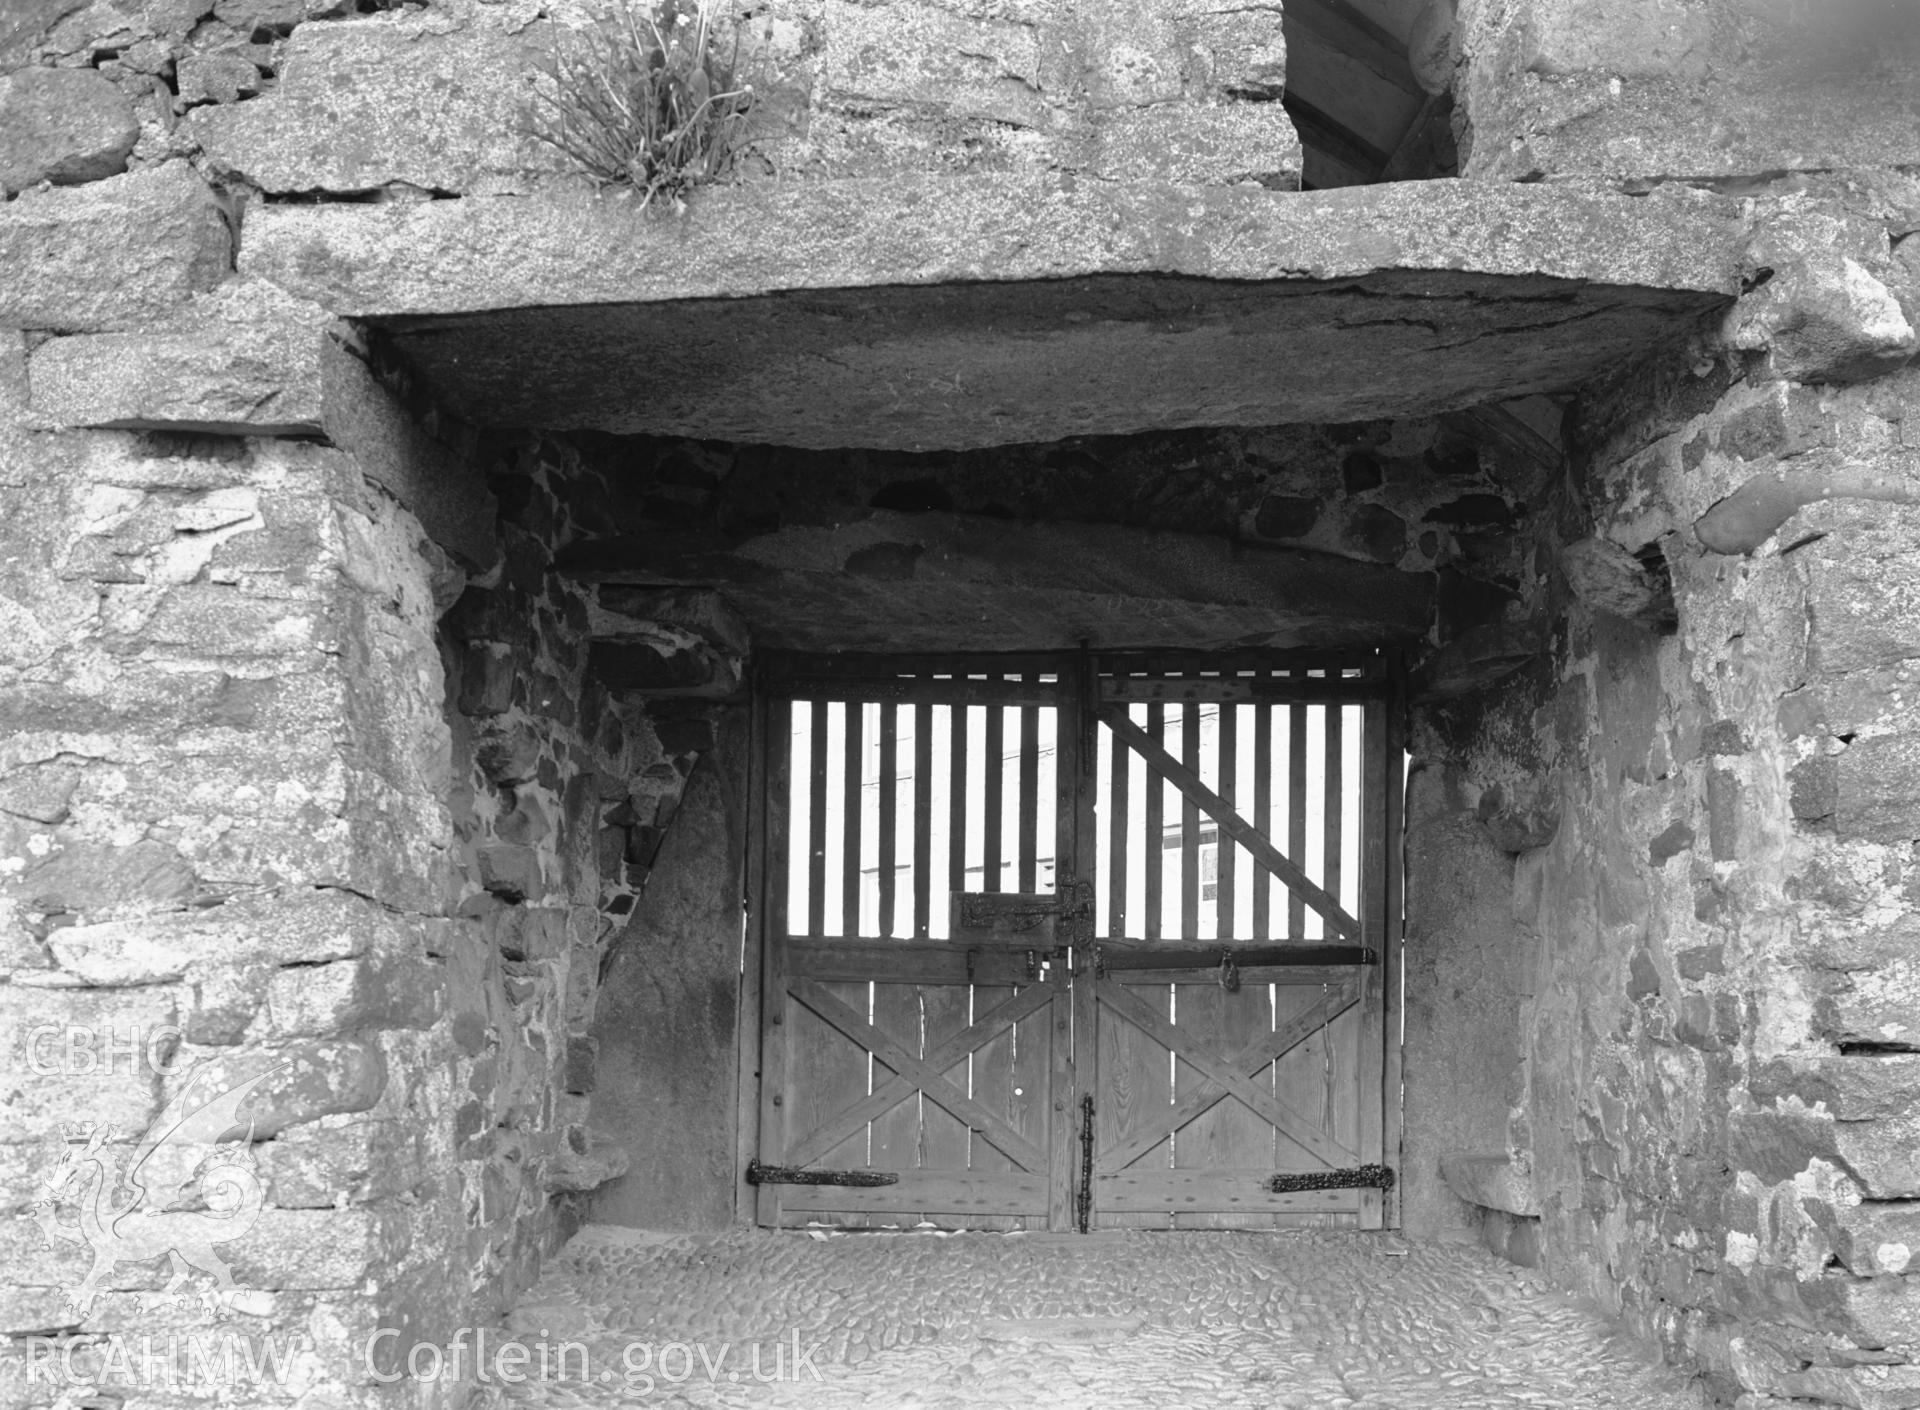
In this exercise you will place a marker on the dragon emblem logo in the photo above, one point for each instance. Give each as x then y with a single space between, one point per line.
188 1184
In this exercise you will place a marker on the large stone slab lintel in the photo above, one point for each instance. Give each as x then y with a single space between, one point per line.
959 312
382 262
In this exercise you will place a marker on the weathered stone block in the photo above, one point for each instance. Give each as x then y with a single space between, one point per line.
1224 144
1878 1240
242 360
113 254
1877 789
101 880
448 497
1491 1182
310 1249
511 871
1884 1155
1240 52
78 1055
920 54
307 1081
364 103
302 928
1879 1005
66 126
385 991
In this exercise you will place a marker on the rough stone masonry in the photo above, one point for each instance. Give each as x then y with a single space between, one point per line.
333 754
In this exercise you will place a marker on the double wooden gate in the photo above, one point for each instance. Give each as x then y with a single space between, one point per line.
1078 941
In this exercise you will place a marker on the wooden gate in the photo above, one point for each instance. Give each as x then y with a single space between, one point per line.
1071 941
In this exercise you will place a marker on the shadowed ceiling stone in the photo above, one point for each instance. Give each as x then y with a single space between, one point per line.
957 582
921 312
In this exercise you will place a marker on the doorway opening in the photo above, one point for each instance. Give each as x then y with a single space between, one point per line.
1077 940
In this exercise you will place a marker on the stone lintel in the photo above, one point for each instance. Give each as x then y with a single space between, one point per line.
917 313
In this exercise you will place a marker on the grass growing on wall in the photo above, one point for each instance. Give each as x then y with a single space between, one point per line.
650 102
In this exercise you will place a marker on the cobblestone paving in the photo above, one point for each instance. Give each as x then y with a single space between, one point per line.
923 1322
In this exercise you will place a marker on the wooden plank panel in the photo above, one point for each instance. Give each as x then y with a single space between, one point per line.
826 1073
941 1077
1226 1136
889 824
821 999
980 1203
1227 1072
995 751
1300 1076
1139 1190
922 821
1133 1084
1027 808
1190 826
1153 857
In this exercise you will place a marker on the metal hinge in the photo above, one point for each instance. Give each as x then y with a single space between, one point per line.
758 1174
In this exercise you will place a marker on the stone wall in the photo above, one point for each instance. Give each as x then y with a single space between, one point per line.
1713 824
304 776
292 97
1651 91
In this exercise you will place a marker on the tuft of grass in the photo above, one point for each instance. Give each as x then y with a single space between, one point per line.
648 102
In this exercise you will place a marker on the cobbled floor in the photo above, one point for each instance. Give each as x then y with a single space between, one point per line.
1306 1321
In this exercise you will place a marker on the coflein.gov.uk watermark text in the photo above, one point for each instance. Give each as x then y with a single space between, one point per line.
490 1357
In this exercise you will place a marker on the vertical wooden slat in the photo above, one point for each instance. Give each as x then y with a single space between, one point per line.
1027 809
993 1083
1227 851
943 1136
922 820
896 1133
774 744
1297 813
889 823
1263 811
957 811
1155 860
1334 809
995 749
1189 827
1119 833
850 872
1076 852
1393 839
816 839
